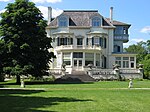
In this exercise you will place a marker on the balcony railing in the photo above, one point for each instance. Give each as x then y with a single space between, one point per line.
124 37
70 47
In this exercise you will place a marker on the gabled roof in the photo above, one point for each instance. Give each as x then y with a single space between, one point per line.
79 18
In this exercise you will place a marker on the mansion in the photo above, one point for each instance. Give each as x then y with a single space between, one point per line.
83 37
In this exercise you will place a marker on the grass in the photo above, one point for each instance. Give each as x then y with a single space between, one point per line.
106 96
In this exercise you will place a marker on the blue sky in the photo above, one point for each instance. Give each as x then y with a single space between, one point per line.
134 12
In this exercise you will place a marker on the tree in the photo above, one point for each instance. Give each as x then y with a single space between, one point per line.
23 32
139 49
146 63
2 59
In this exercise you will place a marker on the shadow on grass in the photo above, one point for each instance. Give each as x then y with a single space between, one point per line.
24 101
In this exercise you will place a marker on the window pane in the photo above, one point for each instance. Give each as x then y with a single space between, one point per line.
80 62
77 55
79 41
131 58
132 65
75 62
125 58
88 62
96 41
96 21
118 58
63 21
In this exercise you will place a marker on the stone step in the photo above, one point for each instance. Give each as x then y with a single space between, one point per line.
75 78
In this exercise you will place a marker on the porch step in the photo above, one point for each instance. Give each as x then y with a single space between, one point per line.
77 77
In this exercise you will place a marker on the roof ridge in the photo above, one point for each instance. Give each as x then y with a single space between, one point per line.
80 11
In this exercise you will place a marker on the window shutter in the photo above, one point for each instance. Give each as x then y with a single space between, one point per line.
92 40
58 42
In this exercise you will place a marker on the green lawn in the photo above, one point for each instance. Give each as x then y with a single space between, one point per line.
104 96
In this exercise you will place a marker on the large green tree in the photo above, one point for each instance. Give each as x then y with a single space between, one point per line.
23 32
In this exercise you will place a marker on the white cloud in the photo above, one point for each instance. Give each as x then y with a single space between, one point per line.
4 0
2 11
137 40
48 1
44 10
133 41
145 29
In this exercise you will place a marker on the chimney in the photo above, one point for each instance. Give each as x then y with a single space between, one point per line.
111 14
49 15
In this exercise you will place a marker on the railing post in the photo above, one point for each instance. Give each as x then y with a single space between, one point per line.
22 82
141 70
63 69
90 72
117 71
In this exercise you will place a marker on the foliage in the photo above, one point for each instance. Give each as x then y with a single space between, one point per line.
146 63
23 32
139 49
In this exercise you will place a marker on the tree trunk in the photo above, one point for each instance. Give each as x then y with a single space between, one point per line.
18 79
1 78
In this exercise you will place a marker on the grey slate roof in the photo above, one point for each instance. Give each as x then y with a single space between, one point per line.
83 18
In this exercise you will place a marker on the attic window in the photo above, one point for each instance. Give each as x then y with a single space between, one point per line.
96 21
63 21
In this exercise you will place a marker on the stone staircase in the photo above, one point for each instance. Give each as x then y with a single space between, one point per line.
75 77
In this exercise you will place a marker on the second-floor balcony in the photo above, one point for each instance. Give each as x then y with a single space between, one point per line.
123 37
78 47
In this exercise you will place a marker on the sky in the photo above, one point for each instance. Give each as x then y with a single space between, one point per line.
134 12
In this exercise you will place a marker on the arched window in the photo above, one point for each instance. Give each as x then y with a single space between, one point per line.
63 21
96 21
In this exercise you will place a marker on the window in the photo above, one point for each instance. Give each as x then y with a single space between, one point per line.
131 58
125 62
89 58
87 41
63 21
96 40
66 58
77 55
97 59
116 48
118 61
96 21
70 41
100 41
132 62
64 41
79 41
125 30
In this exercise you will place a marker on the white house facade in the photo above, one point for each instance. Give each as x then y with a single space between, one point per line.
83 37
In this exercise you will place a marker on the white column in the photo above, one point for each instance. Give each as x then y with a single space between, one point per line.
135 62
94 59
61 58
83 61
100 60
71 56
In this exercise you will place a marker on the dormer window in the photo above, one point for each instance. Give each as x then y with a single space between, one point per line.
63 21
96 21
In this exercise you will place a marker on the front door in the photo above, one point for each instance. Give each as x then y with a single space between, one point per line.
77 64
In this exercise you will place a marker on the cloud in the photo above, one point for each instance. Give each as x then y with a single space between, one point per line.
48 1
145 29
44 10
4 0
2 11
